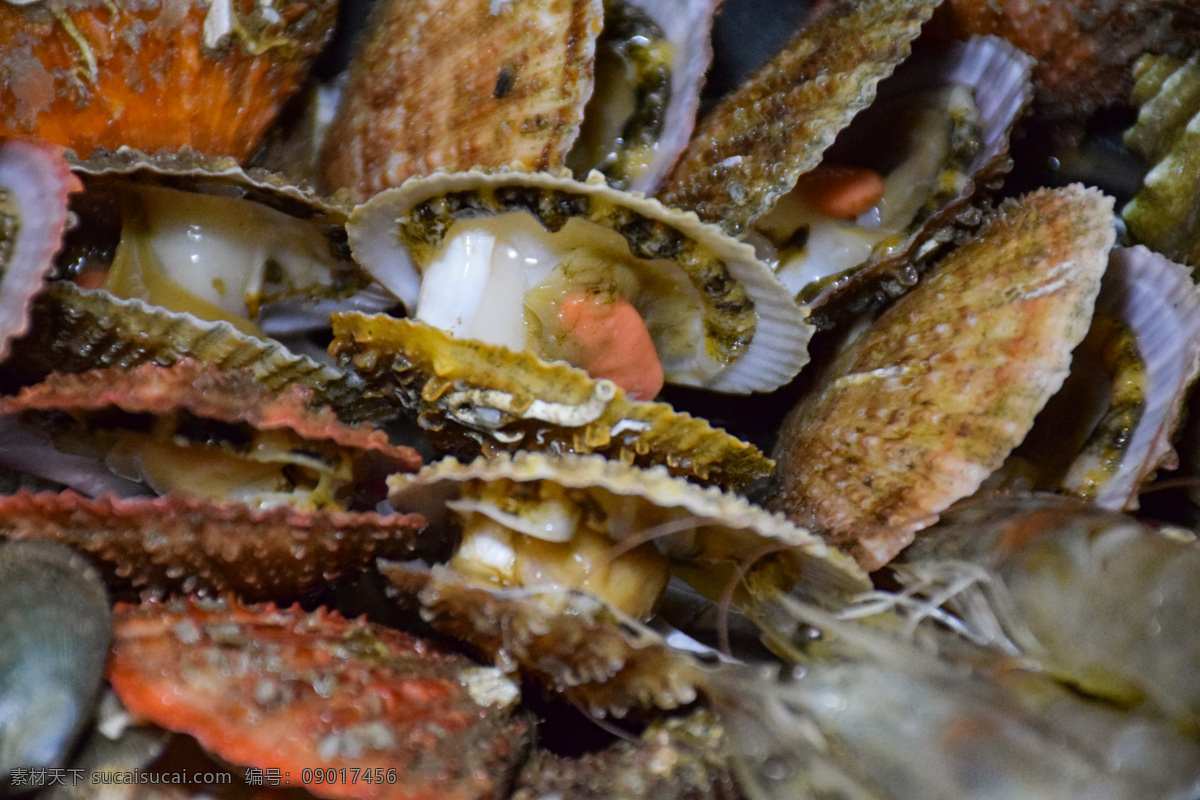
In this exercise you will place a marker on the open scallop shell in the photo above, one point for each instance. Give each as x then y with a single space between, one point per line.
474 398
930 400
751 149
209 75
749 336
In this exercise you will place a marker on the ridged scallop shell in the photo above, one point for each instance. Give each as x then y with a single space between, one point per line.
474 398
1162 215
75 330
174 543
211 76
34 185
750 150
729 528
748 323
54 634
931 399
425 92
578 645
998 75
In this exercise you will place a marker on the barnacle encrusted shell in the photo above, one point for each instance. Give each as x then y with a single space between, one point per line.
454 86
1162 215
177 543
474 398
747 334
925 404
34 185
74 330
208 76
312 693
577 645
728 529
750 150
211 76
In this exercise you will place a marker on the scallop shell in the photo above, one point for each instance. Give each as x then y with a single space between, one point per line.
75 330
931 399
577 645
173 543
729 529
998 74
1162 215
211 76
750 150
424 92
34 185
476 398
54 633
749 323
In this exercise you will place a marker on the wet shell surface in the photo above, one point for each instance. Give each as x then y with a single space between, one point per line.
741 332
723 529
472 398
75 330
34 186
575 644
211 76
54 633
1162 215
303 692
751 149
424 94
930 400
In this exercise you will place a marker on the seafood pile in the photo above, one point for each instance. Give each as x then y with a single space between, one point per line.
504 414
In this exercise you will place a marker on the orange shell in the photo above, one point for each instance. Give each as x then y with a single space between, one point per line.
360 710
99 74
461 84
930 400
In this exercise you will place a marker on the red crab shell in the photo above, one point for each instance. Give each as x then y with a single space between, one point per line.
303 692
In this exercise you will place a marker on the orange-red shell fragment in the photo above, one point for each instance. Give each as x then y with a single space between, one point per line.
174 542
925 404
207 75
456 85
307 692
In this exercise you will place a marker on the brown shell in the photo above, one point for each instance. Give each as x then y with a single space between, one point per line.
75 330
750 150
91 73
924 405
572 642
474 398
176 543
487 83
209 392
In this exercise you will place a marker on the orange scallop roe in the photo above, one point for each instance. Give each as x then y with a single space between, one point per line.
609 339
841 192
105 74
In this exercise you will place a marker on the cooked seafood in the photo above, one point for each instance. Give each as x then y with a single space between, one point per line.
104 73
54 632
536 243
923 406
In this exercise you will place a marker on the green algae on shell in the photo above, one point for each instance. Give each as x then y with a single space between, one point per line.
719 317
474 398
